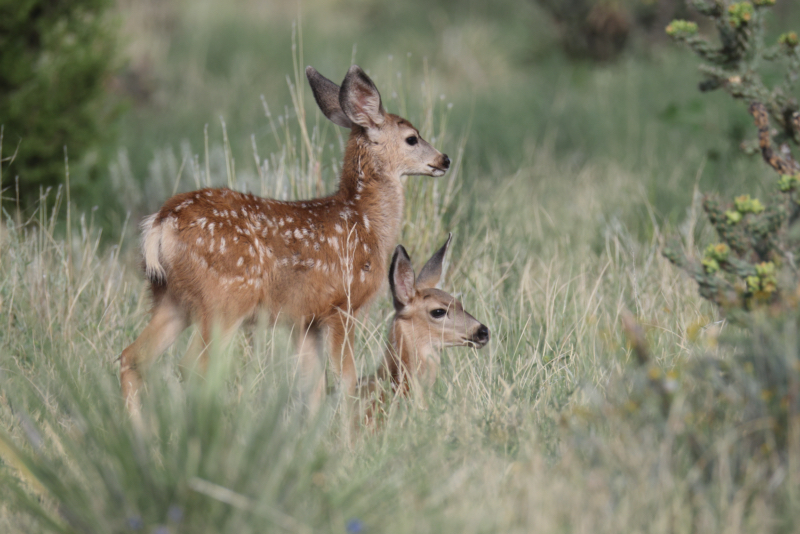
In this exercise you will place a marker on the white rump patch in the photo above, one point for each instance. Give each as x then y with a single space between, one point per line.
151 248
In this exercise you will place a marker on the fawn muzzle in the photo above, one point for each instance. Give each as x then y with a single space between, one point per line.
480 338
441 166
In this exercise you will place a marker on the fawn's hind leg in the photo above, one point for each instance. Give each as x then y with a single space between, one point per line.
166 324
310 365
195 360
341 329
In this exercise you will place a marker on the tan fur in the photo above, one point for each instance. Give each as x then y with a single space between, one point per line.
416 337
219 257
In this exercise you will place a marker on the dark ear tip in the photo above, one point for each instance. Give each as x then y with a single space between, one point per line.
399 252
447 243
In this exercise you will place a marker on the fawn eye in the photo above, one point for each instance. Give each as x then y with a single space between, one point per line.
438 313
412 140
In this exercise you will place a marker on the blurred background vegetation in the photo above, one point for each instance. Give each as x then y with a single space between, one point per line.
592 79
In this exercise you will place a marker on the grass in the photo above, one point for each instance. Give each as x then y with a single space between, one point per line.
555 426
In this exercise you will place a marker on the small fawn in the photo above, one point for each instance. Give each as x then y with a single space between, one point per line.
217 258
426 320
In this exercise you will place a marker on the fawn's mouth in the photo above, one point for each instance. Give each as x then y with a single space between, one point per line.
475 343
437 171
480 338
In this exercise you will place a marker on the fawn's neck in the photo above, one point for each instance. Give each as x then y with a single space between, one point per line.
408 360
372 184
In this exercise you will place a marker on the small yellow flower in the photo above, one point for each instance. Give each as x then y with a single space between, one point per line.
733 216
710 265
654 373
681 28
740 13
789 39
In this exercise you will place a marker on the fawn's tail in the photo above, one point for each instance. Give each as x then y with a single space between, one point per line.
151 248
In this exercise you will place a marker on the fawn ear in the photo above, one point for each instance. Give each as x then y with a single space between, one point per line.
401 278
326 93
431 274
360 99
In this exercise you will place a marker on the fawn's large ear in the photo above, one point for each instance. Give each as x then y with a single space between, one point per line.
360 99
431 274
326 93
401 278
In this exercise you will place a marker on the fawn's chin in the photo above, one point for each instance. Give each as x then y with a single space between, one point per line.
436 171
475 344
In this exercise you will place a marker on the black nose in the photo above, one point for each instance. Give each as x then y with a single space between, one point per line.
482 335
446 161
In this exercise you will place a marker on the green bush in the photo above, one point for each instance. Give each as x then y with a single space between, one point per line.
751 272
56 60
753 265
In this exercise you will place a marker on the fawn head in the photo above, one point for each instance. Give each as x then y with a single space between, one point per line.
357 105
429 315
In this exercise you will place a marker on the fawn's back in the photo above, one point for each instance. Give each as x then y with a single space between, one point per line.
220 252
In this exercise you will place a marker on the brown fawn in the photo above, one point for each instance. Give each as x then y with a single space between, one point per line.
217 258
426 320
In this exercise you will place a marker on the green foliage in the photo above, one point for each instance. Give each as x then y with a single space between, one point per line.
56 58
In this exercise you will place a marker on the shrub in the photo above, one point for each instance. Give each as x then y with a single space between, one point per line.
597 30
56 58
601 29
753 263
750 273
